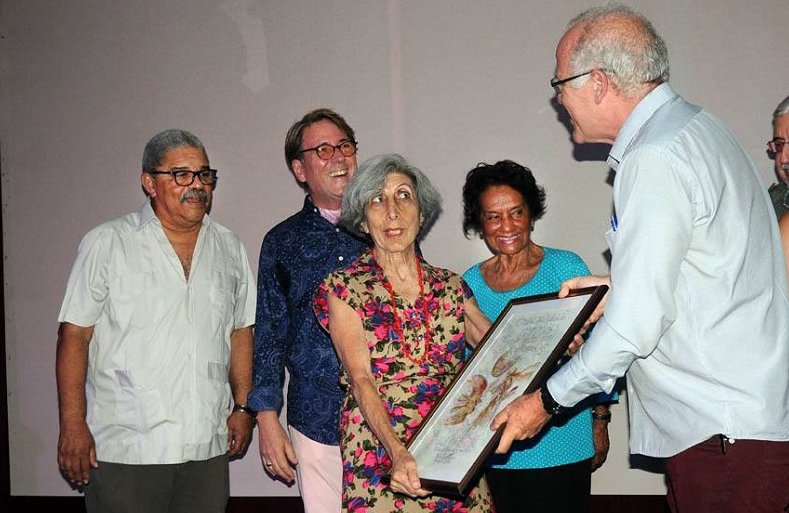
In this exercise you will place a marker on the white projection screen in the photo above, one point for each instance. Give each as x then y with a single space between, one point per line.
448 83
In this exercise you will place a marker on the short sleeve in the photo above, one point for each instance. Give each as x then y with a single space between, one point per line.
332 284
87 288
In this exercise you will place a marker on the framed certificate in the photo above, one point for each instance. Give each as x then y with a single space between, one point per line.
516 356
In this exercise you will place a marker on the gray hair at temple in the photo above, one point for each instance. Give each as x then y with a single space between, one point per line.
370 179
165 141
782 109
632 53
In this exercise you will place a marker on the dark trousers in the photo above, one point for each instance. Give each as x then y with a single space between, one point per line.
194 486
563 489
743 476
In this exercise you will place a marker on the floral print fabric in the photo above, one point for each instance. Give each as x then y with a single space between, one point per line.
407 387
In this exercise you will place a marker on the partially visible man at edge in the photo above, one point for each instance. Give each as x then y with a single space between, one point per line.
779 149
155 344
296 255
697 314
776 147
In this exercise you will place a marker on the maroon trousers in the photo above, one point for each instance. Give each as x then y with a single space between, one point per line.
720 475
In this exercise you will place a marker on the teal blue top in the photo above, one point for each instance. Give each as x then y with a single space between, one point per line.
560 444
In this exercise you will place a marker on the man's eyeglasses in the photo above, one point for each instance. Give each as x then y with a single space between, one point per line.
776 145
557 83
326 151
185 177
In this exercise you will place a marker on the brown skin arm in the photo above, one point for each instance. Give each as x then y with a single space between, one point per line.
76 448
600 437
239 423
347 334
476 324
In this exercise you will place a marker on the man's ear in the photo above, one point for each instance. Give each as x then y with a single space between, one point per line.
146 179
298 170
601 84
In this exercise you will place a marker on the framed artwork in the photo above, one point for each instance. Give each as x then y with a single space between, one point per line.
516 356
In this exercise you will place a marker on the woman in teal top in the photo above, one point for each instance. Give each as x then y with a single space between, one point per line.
551 472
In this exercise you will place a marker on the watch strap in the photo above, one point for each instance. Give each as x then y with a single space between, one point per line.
549 403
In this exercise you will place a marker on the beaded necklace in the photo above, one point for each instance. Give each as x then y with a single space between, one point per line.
398 326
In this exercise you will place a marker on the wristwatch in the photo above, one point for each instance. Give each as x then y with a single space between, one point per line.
549 403
246 409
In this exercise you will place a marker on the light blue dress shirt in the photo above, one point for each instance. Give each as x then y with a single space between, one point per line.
697 314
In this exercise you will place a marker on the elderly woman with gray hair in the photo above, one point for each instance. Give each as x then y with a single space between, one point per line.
400 326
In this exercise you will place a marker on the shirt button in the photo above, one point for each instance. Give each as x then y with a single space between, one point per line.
340 258
337 230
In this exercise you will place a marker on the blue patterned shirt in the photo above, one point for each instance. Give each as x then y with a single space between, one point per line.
570 440
295 257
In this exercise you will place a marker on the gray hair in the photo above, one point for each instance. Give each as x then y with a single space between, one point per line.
369 180
782 109
165 141
616 39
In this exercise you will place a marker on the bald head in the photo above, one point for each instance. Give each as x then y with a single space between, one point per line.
622 42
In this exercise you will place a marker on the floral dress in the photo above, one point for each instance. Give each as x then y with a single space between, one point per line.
415 351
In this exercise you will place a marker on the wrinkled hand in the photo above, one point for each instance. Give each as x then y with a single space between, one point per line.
522 418
601 443
579 283
239 433
405 477
578 340
76 452
276 451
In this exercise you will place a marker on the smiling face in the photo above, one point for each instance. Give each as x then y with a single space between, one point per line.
176 206
506 223
325 179
392 217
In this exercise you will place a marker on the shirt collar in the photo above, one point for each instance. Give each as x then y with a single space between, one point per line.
656 98
147 215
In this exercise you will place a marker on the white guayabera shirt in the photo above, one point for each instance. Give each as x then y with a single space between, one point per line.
157 385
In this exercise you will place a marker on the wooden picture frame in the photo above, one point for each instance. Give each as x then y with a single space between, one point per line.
516 356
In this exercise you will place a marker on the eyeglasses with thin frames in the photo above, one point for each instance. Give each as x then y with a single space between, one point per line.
776 145
186 177
326 151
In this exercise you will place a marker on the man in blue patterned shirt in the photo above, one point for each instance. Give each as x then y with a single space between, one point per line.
320 150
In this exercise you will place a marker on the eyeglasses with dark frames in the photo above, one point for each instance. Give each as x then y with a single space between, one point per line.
558 83
326 151
186 177
776 145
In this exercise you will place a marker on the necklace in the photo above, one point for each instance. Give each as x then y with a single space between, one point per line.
398 326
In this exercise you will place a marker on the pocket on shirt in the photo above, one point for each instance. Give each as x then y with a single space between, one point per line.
138 407
223 296
135 299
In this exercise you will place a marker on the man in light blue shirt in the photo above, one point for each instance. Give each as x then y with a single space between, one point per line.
697 315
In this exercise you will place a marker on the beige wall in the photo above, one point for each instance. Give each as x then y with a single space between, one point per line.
448 83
